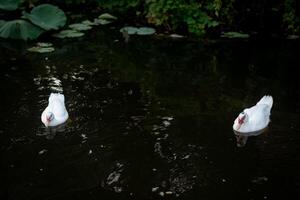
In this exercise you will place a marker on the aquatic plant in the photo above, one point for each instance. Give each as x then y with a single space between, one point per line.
42 18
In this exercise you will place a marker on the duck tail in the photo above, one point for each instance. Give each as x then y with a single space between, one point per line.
57 96
267 99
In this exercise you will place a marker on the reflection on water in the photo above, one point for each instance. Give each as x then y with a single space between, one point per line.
241 138
149 119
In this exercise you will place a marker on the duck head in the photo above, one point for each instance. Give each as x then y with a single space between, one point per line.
240 121
49 118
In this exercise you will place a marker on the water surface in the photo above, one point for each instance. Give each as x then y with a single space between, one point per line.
149 119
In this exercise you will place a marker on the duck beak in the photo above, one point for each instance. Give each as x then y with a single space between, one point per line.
238 126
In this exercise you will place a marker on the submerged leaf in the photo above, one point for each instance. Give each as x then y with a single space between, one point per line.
68 34
10 4
41 49
80 27
47 17
19 29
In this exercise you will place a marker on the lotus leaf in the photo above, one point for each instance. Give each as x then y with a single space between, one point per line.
235 35
80 27
88 22
10 4
129 30
68 34
44 44
40 49
107 16
19 29
145 31
47 17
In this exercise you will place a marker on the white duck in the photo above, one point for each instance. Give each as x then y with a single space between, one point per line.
55 113
255 118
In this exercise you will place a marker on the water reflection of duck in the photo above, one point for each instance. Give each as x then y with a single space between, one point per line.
55 113
253 121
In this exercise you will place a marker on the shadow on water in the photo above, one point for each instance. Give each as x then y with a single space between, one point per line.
150 118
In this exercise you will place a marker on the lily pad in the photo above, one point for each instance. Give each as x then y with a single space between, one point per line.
145 31
40 49
235 35
88 22
80 27
47 17
44 44
68 34
10 4
129 30
107 16
104 19
19 29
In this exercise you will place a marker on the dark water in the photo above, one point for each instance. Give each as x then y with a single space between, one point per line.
150 119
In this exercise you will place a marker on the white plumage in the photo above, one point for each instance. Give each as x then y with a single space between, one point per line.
255 118
55 113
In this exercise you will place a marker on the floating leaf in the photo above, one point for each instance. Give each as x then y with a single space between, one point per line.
41 49
235 35
47 17
19 29
145 31
44 44
68 34
104 21
10 4
107 16
80 27
88 22
174 35
129 30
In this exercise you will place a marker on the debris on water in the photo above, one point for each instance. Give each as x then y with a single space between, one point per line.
223 180
155 189
90 152
42 151
154 169
168 192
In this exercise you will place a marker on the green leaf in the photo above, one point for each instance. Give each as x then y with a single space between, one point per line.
88 22
107 16
68 34
129 29
47 17
10 4
235 35
80 27
44 44
145 31
19 29
39 49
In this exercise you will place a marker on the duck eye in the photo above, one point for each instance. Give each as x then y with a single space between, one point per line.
243 113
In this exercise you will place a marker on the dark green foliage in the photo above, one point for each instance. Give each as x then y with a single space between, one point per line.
290 20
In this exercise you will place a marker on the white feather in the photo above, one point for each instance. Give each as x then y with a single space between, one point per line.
257 117
56 105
